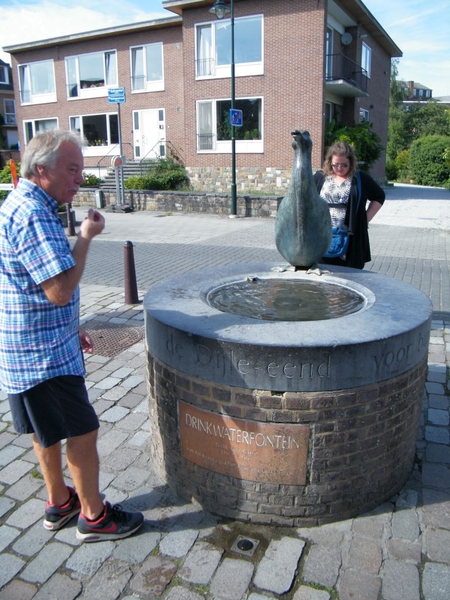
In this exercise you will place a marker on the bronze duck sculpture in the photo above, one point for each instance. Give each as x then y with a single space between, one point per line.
303 223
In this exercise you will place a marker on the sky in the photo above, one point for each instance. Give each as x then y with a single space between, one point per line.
418 27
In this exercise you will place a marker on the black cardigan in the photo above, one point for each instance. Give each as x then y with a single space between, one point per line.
358 252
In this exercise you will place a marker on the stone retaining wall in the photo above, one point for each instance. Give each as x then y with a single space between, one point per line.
185 202
360 452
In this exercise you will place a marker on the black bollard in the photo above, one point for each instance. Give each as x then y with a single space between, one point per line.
70 220
131 293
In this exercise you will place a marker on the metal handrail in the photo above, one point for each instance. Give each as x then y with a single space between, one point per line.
116 148
340 66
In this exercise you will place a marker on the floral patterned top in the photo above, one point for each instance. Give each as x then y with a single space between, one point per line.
336 195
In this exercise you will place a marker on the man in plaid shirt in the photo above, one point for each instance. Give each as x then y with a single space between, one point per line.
41 341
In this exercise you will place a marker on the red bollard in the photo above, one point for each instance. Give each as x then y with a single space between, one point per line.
131 293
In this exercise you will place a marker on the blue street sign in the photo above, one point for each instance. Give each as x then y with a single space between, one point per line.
236 117
116 95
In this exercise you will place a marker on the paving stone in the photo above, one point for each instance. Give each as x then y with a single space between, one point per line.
132 422
436 509
365 555
407 498
200 563
121 459
7 536
307 593
356 585
6 504
404 550
139 439
438 417
258 597
6 438
436 582
405 525
438 545
231 579
178 543
435 475
107 383
277 568
136 548
24 488
115 414
434 388
111 578
110 441
88 558
131 479
58 587
49 559
27 514
133 381
18 590
33 540
131 399
438 453
9 567
154 576
180 593
114 394
14 471
439 435
322 565
142 407
400 580
9 453
373 526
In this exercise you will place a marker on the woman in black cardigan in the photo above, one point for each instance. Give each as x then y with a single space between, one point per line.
337 184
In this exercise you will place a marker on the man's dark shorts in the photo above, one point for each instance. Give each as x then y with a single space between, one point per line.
54 410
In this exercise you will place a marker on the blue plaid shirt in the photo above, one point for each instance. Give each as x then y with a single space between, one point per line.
38 340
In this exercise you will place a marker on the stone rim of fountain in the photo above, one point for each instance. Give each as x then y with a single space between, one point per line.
203 342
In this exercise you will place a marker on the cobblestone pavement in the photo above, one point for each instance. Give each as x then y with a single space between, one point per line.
399 551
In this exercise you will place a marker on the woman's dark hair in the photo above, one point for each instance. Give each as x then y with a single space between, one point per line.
340 149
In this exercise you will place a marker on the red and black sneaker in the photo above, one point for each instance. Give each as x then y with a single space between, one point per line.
113 524
57 516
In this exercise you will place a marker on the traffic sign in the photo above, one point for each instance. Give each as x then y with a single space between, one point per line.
236 117
116 95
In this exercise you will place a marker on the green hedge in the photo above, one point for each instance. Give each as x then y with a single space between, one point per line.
427 164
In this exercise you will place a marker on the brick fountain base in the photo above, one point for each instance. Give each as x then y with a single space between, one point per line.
294 423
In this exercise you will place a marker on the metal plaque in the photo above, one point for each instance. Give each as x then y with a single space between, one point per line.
251 450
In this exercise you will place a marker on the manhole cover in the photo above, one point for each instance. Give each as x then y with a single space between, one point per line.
111 339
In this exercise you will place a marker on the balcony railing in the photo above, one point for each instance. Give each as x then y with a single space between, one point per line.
339 67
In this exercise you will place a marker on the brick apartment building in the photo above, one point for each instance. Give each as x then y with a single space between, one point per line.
297 65
8 111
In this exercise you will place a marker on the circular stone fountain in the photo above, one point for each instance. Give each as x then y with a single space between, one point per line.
286 398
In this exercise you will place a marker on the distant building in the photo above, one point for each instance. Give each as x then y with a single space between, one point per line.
298 65
8 107
416 92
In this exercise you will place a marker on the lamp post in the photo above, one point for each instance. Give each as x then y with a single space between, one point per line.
220 9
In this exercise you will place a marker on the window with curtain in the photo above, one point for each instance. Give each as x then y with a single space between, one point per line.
147 71
37 82
213 47
89 75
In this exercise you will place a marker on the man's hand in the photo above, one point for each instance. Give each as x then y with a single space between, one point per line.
93 224
87 345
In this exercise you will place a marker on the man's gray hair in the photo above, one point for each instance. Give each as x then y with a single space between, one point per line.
43 150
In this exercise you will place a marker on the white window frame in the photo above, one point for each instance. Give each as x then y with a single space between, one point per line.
26 79
110 79
207 67
4 75
33 122
211 145
101 149
366 59
10 116
150 85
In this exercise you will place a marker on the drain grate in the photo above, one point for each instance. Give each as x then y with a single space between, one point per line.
111 339
245 545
